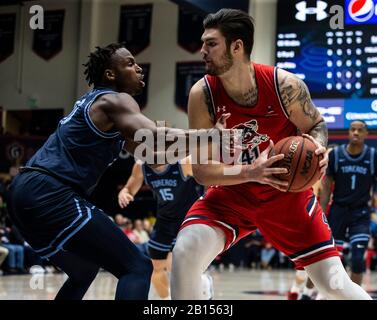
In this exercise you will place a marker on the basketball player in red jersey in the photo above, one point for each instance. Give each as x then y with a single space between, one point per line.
269 104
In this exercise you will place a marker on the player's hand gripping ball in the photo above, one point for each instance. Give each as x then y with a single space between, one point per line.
301 162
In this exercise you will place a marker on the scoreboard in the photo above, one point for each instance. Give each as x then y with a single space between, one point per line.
337 62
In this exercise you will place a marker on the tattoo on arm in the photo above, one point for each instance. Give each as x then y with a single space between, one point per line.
319 132
208 102
293 90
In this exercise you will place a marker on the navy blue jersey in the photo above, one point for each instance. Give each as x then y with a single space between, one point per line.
175 192
78 152
353 176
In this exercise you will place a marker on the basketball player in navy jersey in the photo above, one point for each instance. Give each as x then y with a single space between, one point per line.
176 190
48 197
269 104
351 173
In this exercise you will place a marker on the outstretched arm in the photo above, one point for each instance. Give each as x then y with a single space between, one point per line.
121 112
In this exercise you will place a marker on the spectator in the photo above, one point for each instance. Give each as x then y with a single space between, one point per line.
148 225
3 254
15 260
267 255
253 248
129 232
140 231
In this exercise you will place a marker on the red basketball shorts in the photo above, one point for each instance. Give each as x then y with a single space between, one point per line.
292 222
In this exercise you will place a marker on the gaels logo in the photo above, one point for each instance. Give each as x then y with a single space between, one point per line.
250 136
361 11
251 139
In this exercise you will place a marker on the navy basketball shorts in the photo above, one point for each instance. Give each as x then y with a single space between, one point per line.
163 237
354 220
47 212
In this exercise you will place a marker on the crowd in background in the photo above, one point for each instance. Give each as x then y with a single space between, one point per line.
251 252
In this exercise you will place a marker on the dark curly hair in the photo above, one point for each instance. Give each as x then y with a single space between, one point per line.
98 62
234 24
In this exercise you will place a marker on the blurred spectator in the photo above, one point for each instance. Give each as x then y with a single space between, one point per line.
3 208
142 235
30 256
253 248
268 253
15 260
140 231
120 220
129 232
3 254
371 254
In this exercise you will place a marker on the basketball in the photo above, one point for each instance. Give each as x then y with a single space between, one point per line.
301 162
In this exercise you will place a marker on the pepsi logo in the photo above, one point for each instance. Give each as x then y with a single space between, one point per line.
361 10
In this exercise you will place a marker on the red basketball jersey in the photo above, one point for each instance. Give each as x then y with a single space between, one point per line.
267 120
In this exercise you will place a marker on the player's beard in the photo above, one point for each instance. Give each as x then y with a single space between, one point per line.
218 70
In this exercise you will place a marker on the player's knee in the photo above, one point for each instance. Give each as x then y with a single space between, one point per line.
357 256
182 255
179 253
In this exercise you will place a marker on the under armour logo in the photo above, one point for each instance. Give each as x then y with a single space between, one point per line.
303 10
221 108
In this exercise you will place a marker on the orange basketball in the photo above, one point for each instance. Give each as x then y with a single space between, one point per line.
300 160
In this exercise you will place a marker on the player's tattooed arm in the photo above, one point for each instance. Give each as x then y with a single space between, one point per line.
208 102
319 132
294 91
300 109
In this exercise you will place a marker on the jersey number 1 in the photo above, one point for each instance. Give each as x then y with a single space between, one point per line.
353 182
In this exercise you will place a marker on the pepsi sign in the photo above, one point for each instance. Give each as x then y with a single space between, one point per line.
360 11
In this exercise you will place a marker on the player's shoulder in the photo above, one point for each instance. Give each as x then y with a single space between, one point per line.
284 76
116 100
197 98
197 88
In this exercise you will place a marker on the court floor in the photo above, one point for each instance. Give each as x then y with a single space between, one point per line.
228 285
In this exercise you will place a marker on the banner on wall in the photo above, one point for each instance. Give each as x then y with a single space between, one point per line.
17 150
48 42
213 6
7 35
186 74
142 99
190 29
135 27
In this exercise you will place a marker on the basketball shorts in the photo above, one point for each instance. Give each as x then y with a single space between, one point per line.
292 222
47 212
354 222
163 237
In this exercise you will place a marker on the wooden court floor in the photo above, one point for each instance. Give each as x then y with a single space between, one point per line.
228 285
